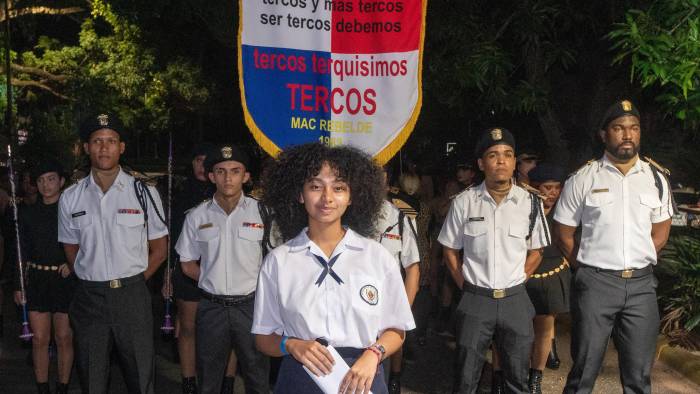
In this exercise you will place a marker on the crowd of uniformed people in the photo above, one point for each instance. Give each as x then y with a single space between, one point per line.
332 260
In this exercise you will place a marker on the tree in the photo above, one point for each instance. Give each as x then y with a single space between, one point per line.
662 43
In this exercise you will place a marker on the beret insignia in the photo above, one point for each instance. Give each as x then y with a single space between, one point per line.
226 152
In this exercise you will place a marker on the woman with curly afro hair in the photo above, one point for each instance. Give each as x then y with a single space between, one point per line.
329 287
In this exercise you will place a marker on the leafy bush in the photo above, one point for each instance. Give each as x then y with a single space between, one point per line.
679 294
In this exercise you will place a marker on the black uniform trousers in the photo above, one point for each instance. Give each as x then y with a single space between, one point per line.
220 328
479 318
605 304
104 319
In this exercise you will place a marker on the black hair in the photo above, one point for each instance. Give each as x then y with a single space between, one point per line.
284 180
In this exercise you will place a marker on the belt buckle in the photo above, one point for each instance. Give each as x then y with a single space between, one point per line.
499 293
115 284
626 274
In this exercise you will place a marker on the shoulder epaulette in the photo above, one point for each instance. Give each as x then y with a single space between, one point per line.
256 194
657 166
588 163
532 190
196 206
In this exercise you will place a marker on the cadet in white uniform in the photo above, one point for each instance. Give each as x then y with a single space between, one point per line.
114 236
501 229
328 281
224 235
623 206
397 233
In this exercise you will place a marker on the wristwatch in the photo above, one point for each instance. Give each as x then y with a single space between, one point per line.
381 349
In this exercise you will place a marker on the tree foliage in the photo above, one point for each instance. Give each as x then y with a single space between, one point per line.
662 43
108 68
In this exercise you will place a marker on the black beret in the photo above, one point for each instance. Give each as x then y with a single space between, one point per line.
98 122
46 166
491 137
201 149
224 152
547 172
618 109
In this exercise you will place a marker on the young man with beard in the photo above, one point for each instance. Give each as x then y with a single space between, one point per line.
114 238
224 235
624 208
501 229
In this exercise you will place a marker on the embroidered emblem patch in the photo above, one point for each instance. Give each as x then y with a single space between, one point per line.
626 105
391 236
78 214
129 211
253 225
369 294
496 134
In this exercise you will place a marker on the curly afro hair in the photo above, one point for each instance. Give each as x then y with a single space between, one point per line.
284 180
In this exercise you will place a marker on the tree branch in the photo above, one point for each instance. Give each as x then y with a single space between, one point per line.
40 10
29 83
39 72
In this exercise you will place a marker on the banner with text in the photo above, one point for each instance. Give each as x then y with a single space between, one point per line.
332 71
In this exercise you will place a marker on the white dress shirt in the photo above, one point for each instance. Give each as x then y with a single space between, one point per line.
615 212
108 227
493 236
354 313
403 247
227 246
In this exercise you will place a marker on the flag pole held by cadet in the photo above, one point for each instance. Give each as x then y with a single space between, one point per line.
26 333
167 326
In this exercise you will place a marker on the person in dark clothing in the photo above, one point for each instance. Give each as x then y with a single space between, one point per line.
548 286
50 282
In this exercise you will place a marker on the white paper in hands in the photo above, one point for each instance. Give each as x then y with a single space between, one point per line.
330 384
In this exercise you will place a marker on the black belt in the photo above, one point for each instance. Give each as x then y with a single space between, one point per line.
114 283
227 300
626 274
494 293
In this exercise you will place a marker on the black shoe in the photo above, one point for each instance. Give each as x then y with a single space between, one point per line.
498 383
228 384
553 361
534 382
61 388
189 385
394 385
43 388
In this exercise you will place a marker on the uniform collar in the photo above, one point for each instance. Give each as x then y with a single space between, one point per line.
637 167
513 193
351 240
120 182
242 204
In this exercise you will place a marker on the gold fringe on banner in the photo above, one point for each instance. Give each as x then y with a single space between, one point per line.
385 154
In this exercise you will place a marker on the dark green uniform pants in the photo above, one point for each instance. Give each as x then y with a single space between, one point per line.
605 304
479 319
104 319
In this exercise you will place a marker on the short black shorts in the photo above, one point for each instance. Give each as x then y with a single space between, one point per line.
48 291
184 287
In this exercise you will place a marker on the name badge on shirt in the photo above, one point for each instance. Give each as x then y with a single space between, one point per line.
205 225
129 211
78 214
600 190
477 219
253 225
391 236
